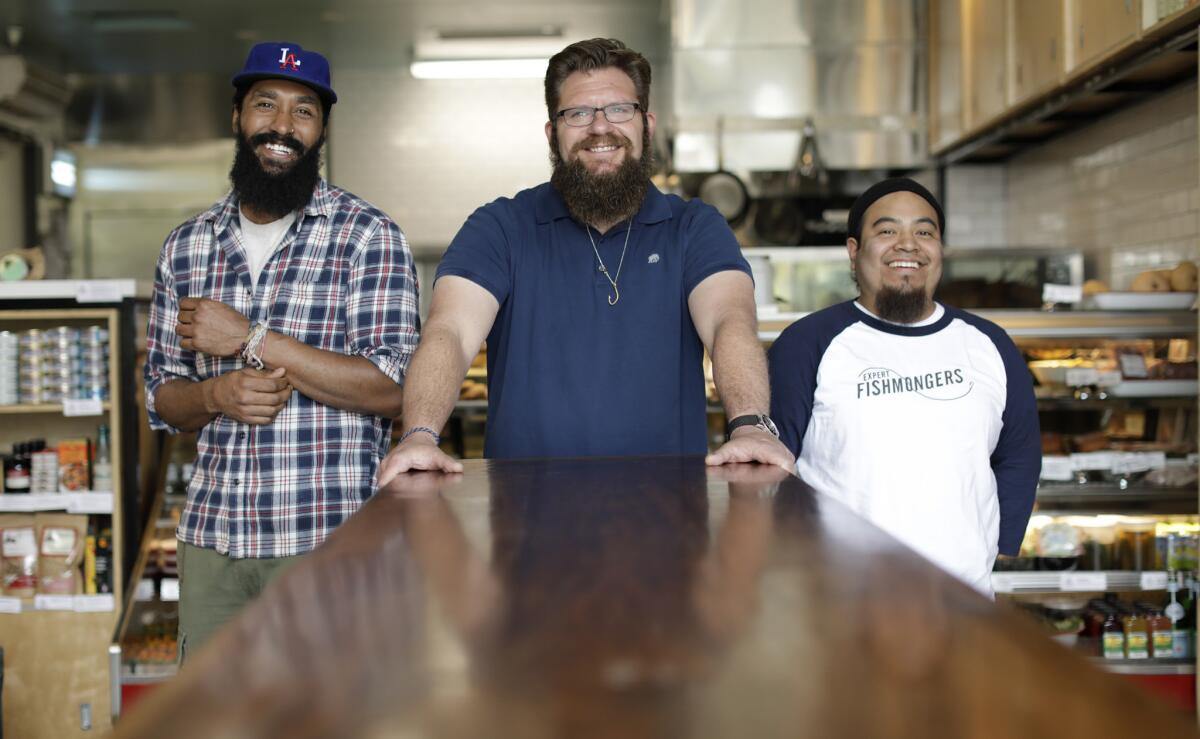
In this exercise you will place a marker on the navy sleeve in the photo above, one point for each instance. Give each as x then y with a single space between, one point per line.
480 252
710 245
793 361
1017 458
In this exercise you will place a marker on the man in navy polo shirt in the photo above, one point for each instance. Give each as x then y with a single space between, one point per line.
597 295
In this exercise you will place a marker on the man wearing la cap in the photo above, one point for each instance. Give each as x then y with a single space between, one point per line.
919 416
281 326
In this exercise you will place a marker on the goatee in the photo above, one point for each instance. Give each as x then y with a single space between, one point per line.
274 193
901 306
602 199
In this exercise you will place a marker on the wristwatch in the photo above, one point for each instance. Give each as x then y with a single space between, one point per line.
764 422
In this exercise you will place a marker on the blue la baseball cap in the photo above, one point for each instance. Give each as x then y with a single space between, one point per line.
287 61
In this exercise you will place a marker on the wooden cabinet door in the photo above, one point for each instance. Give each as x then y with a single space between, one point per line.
1037 37
985 51
946 102
1098 26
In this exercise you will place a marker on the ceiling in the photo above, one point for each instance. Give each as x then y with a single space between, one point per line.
139 37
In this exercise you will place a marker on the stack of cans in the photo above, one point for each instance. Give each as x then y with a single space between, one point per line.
62 363
8 368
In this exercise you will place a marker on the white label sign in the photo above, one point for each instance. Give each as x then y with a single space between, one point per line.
145 590
1079 376
95 603
10 605
1154 581
1084 581
54 602
82 407
1052 293
169 590
98 291
1092 460
1057 469
1002 583
90 503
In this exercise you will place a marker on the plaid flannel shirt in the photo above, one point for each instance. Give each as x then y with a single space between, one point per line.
342 280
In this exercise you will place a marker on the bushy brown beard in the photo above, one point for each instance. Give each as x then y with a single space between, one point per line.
602 198
901 306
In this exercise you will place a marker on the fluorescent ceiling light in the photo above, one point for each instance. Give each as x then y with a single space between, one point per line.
479 69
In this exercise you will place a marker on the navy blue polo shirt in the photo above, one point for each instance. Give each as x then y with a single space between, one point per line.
568 374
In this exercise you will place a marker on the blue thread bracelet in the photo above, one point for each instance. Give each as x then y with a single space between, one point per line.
437 438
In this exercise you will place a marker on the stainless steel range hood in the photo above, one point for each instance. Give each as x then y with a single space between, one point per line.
856 67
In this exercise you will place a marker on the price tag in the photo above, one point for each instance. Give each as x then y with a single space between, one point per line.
1057 469
1078 376
1083 581
1154 581
98 291
169 590
1002 583
10 605
94 603
1108 378
54 602
82 407
90 503
1052 293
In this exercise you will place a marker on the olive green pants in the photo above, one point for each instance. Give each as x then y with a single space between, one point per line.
213 588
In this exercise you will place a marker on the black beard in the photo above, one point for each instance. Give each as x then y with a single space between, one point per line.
274 194
901 306
602 199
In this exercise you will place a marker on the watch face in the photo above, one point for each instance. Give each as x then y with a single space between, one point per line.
768 425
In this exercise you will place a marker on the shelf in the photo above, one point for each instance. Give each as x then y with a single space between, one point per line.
1072 493
1102 404
102 603
82 291
81 502
1074 581
1067 324
1145 666
57 408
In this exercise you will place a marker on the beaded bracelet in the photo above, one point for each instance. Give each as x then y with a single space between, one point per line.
437 438
252 348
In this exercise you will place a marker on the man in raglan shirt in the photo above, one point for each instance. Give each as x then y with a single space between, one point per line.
921 417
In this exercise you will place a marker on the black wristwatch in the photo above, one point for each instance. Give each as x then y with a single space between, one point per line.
764 422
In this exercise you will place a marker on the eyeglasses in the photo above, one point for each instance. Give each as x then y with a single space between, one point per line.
613 113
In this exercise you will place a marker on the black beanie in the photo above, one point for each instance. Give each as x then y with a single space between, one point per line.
887 187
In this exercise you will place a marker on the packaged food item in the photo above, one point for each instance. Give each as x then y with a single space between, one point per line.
18 551
60 552
73 457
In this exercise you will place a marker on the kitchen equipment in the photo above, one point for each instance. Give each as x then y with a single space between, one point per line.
724 190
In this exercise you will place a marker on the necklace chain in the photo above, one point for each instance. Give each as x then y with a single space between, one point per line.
616 296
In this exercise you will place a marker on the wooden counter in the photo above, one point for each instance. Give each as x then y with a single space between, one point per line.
646 597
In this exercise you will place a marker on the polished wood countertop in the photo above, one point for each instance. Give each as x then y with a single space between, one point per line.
637 597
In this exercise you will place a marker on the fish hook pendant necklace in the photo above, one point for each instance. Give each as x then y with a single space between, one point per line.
616 293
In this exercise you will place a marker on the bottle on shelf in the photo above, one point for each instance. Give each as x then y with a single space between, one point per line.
1112 635
1180 638
17 477
1162 644
102 471
1137 634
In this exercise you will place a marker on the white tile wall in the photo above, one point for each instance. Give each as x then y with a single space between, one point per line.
428 152
1124 190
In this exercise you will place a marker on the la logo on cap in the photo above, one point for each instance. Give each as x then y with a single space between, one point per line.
288 60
